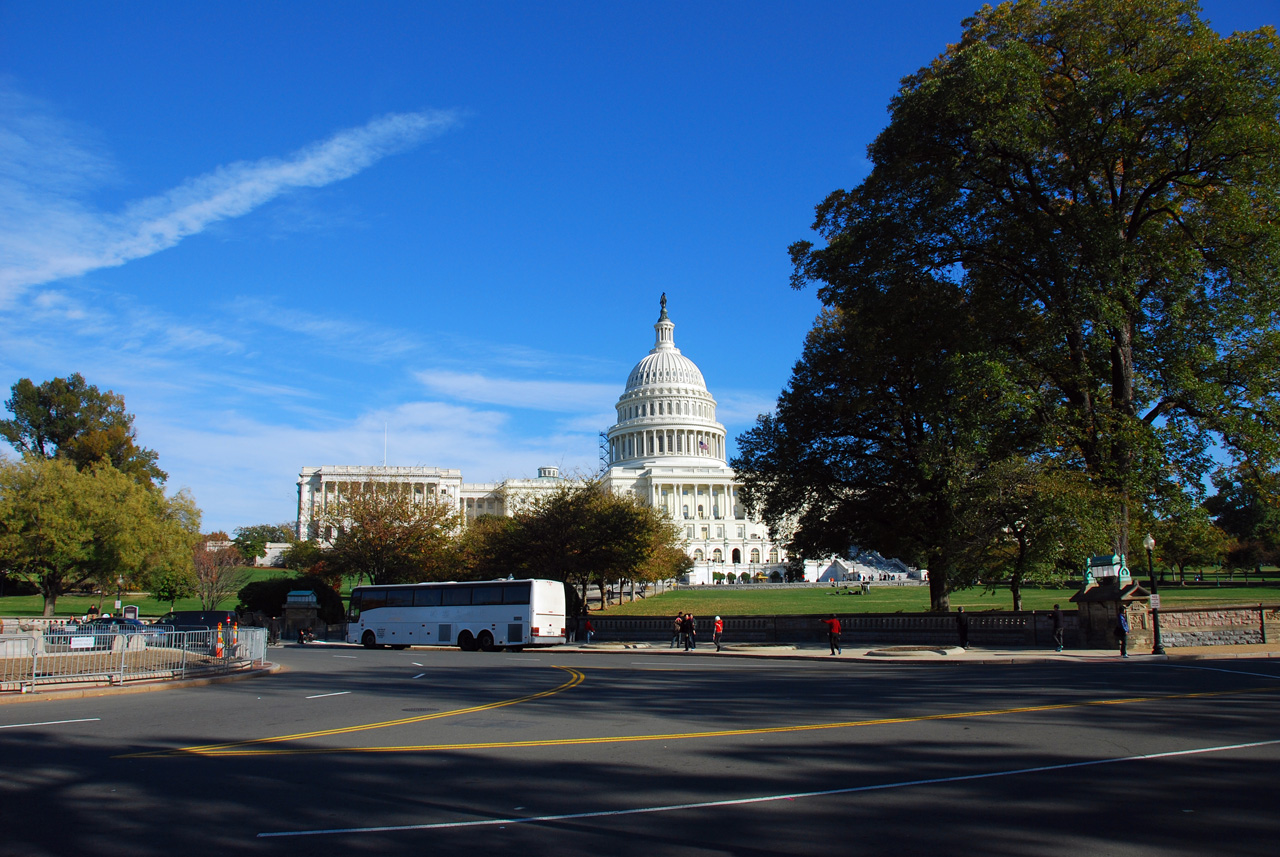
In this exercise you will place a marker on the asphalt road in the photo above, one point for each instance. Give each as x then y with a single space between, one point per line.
654 753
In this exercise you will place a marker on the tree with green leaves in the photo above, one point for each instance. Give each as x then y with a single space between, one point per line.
73 420
582 533
1189 540
61 528
252 541
390 536
1246 507
885 434
1097 184
1041 522
171 584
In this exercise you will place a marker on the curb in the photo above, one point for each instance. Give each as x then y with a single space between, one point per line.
141 687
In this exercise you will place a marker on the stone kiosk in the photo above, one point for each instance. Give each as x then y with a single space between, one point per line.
1108 586
300 611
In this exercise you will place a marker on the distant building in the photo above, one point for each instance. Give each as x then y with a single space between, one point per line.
665 448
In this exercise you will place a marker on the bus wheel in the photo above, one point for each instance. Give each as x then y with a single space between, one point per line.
486 642
466 642
369 641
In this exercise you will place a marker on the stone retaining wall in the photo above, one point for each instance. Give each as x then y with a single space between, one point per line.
1179 626
1219 625
1027 628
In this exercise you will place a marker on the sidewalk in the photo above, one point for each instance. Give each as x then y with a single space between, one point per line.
919 654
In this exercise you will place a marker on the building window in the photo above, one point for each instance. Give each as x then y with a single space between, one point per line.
686 510
717 556
773 554
697 555
755 555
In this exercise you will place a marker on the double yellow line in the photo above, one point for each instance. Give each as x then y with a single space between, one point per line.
253 747
256 747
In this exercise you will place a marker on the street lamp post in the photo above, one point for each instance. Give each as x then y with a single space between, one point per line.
1158 648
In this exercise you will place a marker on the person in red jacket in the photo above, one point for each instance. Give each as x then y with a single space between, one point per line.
717 631
833 633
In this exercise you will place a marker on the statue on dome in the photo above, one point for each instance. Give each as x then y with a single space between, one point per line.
664 302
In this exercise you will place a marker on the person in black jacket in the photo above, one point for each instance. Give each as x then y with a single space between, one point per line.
1057 626
962 626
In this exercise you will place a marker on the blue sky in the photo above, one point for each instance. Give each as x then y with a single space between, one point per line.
276 228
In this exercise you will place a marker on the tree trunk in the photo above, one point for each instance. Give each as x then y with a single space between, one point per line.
1015 588
939 594
50 601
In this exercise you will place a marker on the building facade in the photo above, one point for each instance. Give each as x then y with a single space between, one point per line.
666 448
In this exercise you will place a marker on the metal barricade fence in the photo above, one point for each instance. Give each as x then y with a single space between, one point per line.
74 654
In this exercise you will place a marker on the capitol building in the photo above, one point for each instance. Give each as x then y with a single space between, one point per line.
666 448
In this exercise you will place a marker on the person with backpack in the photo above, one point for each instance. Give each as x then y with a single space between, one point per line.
1122 631
717 631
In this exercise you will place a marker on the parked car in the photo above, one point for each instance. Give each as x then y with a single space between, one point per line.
121 625
198 620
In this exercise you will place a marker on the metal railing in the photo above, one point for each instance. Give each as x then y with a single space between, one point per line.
73 654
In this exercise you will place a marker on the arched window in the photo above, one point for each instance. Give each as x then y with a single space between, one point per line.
755 555
773 554
700 510
686 510
717 556
737 556
697 555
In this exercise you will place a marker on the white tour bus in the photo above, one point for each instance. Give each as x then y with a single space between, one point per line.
481 614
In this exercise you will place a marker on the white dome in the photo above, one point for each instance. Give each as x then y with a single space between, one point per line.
666 411
665 366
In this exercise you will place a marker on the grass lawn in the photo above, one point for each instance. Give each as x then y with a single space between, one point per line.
78 605
746 601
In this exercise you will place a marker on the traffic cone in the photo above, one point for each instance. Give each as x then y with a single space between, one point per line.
217 652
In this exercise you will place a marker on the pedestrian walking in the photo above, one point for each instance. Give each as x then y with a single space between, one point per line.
962 627
717 631
693 632
1122 631
677 629
591 630
1057 626
833 633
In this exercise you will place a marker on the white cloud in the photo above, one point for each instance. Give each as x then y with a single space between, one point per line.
244 471
47 234
563 396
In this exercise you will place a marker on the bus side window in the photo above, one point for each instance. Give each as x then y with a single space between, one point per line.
426 597
516 593
399 597
458 596
373 600
353 609
486 595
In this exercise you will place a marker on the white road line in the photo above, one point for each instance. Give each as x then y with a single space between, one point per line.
532 660
352 657
663 663
51 722
322 695
491 822
415 663
419 675
1218 670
